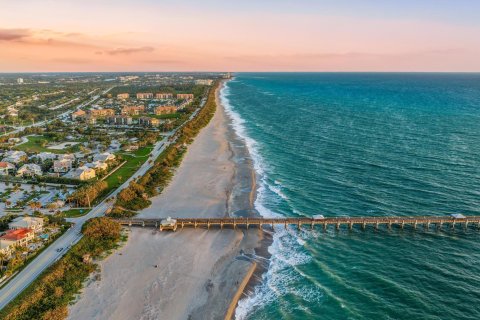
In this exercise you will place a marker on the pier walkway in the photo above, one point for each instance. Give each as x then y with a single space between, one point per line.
337 222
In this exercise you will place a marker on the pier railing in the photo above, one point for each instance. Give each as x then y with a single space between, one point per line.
338 222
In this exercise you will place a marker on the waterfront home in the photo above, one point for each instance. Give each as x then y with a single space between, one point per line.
143 95
163 95
165 110
33 223
184 96
46 156
18 237
29 170
79 114
82 173
123 96
6 168
149 122
106 156
14 156
132 110
62 166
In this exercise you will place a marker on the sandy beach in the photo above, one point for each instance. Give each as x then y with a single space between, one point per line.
198 272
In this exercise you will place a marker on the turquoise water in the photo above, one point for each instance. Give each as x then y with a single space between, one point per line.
364 144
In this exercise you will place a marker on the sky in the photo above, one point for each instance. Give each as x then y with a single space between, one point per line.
247 35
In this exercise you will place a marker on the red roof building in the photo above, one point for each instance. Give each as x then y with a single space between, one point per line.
18 237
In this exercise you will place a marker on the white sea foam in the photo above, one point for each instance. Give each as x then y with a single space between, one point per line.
287 246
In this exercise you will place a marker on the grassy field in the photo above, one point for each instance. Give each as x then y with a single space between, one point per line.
35 143
74 213
134 161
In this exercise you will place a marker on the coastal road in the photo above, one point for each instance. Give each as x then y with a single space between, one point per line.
24 278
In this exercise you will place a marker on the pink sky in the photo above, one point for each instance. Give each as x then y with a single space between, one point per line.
163 36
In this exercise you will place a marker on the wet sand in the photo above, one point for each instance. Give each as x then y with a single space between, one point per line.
190 274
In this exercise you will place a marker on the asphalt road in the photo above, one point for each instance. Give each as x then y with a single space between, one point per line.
23 279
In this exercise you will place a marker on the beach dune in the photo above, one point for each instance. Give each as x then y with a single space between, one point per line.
190 274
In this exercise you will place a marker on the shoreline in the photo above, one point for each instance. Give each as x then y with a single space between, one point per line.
215 178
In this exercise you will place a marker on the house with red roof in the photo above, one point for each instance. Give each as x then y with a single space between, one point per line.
18 237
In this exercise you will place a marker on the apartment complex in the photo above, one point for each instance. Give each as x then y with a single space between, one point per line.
149 122
120 120
133 110
101 113
123 96
144 95
162 95
184 96
165 110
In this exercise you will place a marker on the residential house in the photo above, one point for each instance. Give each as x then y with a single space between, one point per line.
165 110
14 156
79 114
164 96
46 156
149 122
14 140
33 223
106 156
6 168
98 165
18 237
67 156
143 95
29 170
184 96
82 173
62 166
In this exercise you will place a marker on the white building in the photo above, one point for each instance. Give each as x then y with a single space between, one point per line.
20 80
46 156
97 165
82 173
67 156
62 166
29 170
34 223
106 156
14 156
6 168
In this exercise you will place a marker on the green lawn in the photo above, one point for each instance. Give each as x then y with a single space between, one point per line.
74 213
34 144
134 161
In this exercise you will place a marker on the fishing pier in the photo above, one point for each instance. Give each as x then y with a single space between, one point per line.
337 222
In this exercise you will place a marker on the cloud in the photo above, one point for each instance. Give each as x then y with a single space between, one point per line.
127 51
14 34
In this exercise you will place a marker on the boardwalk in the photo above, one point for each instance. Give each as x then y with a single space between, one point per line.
337 222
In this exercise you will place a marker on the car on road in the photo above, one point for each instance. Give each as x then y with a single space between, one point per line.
59 249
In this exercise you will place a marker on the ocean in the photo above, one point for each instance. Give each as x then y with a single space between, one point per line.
364 144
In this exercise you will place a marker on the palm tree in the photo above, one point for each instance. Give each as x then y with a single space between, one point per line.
2 258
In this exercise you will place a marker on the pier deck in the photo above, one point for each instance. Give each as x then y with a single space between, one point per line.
338 222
